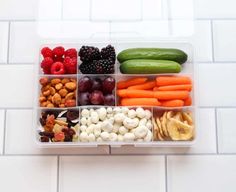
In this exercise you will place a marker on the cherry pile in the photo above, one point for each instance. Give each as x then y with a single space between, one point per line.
96 91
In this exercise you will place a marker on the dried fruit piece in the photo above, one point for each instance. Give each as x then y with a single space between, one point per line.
72 115
179 130
187 117
163 125
59 136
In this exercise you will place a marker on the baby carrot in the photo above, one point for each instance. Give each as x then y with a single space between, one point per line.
140 102
144 86
131 82
188 101
130 93
155 89
169 95
187 87
172 80
173 103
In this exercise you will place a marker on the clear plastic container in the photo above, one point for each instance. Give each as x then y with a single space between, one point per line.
187 70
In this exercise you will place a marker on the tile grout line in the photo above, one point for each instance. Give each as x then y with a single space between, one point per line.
58 172
121 20
216 127
166 175
8 46
212 42
4 131
94 155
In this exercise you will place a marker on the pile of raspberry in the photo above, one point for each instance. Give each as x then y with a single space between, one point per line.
59 61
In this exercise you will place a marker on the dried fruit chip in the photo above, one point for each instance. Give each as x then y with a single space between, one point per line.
178 130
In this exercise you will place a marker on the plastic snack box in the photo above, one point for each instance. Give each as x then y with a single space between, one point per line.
188 69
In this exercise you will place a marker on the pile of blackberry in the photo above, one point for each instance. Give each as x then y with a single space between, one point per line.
97 62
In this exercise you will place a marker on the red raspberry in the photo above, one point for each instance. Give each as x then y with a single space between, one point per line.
46 65
58 51
46 52
70 65
71 53
60 59
57 68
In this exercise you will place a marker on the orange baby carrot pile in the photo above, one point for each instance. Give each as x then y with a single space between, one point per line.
140 102
172 80
187 87
167 91
144 86
172 103
131 82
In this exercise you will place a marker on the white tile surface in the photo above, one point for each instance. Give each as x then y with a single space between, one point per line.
17 10
112 173
23 42
201 40
76 9
226 130
205 142
2 116
201 173
215 9
217 84
154 9
197 33
35 174
19 125
18 83
224 40
111 10
181 9
49 10
72 31
26 37
4 41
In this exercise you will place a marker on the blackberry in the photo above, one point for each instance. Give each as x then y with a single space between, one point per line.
108 52
104 66
89 53
87 68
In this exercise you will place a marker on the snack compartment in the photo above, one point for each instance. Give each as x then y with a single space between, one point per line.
155 90
57 91
116 125
57 125
55 59
96 89
174 124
